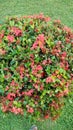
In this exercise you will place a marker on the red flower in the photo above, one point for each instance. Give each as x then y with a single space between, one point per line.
46 116
10 38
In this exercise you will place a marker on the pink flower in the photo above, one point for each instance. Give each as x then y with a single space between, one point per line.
57 21
55 105
66 65
20 69
47 19
67 40
17 110
7 76
10 38
21 76
14 110
60 94
36 86
40 16
39 68
44 62
56 51
63 55
66 91
17 31
67 29
4 108
29 93
49 80
2 51
11 96
30 110
41 87
35 45
1 35
49 61
6 69
62 65
37 71
0 41
41 38
39 42
7 88
12 83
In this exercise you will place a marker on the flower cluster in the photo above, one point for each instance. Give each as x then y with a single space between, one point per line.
35 66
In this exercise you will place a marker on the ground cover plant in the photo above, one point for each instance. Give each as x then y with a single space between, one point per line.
36 66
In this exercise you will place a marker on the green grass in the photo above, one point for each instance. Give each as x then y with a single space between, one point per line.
56 9
17 122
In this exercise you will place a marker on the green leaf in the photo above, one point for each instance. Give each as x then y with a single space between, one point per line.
11 23
50 43
1 90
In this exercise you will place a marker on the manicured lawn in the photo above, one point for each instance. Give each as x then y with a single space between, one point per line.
60 9
13 122
56 9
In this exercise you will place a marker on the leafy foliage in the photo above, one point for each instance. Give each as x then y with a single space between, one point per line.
36 58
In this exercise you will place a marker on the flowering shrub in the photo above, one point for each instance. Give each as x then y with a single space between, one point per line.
36 57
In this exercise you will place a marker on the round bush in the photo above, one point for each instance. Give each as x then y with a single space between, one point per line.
36 58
